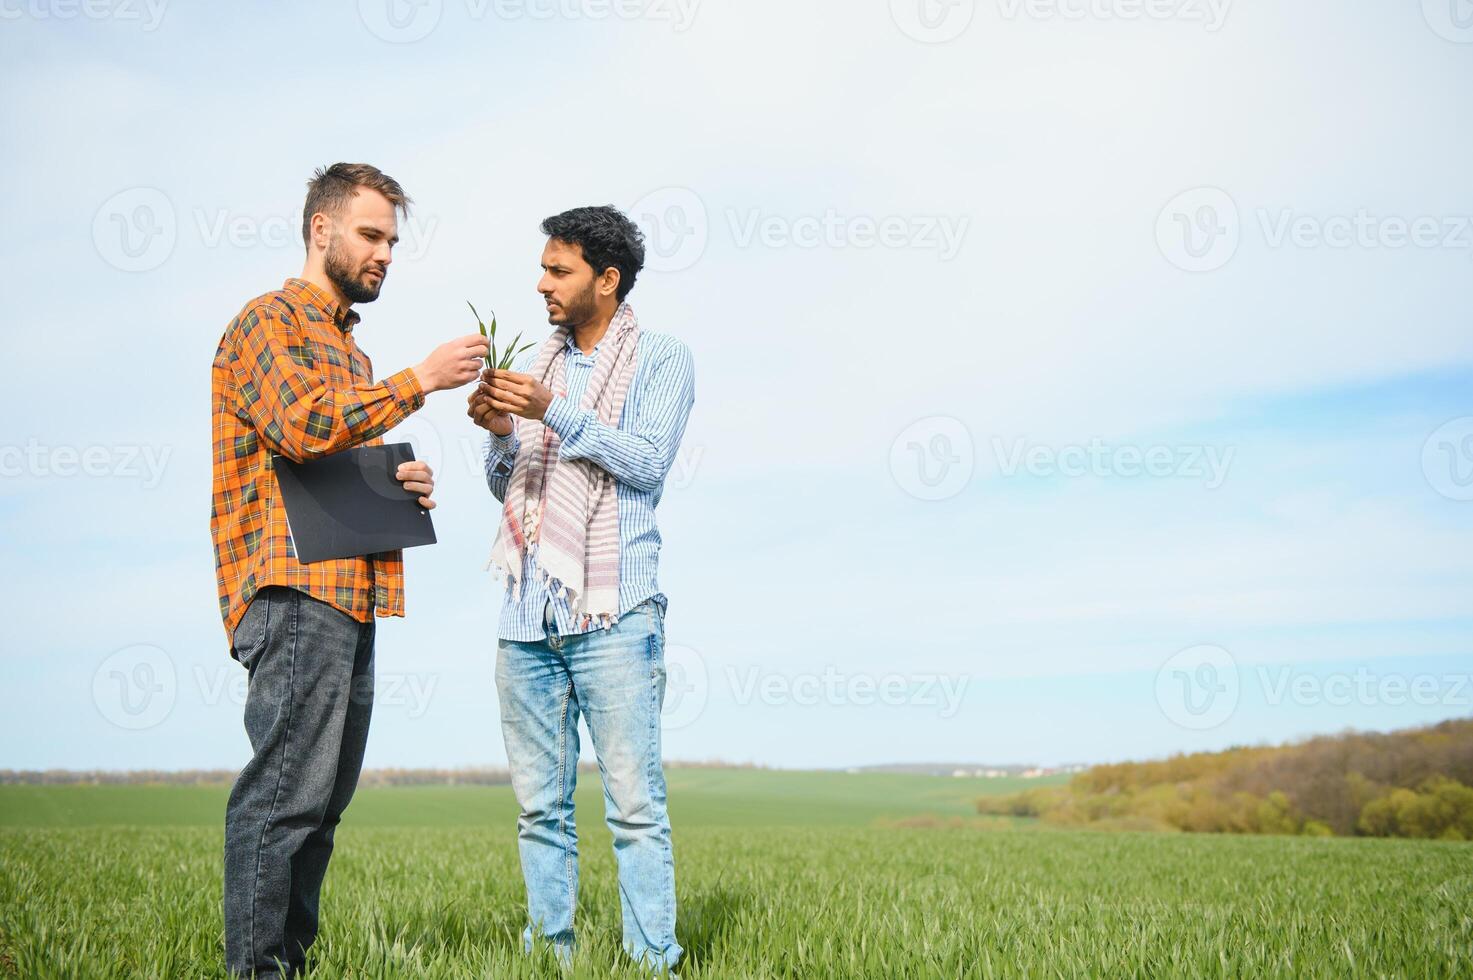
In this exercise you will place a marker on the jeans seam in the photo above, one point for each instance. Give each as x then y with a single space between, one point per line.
649 615
281 767
562 790
653 775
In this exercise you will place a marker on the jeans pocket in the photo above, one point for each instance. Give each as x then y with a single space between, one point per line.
249 639
656 641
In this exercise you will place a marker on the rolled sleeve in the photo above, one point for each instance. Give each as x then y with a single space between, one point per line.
641 454
564 418
501 457
407 389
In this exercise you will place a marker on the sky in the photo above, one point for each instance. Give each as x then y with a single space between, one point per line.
1076 380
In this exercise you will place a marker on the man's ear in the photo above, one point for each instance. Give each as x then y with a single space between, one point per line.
321 230
608 283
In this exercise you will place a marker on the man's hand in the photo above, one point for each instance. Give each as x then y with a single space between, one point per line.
519 394
417 478
480 410
453 364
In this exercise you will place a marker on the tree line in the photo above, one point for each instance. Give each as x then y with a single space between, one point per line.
1411 783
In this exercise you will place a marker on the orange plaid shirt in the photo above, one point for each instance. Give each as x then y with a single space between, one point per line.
288 378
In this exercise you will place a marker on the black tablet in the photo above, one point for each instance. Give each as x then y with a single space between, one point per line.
350 504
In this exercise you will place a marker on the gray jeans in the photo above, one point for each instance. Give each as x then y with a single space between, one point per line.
307 713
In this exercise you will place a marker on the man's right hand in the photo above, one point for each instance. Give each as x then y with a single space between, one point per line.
481 412
453 364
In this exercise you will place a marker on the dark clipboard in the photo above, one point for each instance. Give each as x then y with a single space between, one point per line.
350 504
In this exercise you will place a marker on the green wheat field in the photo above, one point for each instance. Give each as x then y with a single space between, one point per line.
780 874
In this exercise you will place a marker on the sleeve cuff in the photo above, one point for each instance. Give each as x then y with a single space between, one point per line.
405 388
500 453
562 417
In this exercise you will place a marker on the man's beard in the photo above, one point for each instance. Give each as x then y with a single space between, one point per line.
351 282
579 311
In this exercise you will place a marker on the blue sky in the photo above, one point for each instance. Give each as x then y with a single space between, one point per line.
1072 385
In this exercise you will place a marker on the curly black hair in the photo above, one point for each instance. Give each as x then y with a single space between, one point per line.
607 238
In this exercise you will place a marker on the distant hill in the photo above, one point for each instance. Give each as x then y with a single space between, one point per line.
1412 783
976 770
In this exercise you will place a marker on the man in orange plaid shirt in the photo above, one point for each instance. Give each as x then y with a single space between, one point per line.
289 378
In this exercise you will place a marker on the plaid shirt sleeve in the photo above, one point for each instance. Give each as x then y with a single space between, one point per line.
295 410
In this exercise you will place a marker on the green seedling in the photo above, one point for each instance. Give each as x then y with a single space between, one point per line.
504 362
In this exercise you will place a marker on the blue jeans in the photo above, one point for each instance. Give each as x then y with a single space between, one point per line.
615 679
307 713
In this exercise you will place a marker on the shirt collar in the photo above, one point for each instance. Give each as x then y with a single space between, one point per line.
306 292
571 346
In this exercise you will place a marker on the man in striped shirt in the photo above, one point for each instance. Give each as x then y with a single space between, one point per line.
599 410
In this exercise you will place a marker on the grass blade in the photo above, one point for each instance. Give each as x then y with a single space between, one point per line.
490 337
506 359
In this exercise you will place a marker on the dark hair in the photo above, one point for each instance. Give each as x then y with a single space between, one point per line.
607 238
331 188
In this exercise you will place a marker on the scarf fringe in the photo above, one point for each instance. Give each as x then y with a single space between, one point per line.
556 589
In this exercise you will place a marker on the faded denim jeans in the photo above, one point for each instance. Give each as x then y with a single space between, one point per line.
306 713
615 679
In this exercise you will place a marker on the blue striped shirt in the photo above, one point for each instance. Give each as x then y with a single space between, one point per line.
637 455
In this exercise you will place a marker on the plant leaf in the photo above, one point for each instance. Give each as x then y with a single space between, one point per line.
492 350
511 353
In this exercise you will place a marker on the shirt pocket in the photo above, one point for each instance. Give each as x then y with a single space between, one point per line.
327 358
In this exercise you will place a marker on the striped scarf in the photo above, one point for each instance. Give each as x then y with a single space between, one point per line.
565 512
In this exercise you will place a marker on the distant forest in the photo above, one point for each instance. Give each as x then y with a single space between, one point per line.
1412 783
